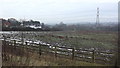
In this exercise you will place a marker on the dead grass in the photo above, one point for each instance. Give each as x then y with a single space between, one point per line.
44 60
25 57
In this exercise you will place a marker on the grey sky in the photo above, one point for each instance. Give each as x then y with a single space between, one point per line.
55 11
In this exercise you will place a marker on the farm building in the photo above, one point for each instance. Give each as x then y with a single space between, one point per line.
32 24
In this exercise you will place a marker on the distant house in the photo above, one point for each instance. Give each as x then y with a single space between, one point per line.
5 23
32 24
14 22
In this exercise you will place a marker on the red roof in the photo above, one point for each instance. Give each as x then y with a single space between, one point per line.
7 23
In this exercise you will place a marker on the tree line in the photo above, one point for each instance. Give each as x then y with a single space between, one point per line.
31 25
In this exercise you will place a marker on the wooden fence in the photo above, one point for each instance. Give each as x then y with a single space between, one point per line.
88 55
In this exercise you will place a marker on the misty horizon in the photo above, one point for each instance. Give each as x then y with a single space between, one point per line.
53 12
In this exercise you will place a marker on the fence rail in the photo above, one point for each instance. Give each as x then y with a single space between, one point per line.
73 53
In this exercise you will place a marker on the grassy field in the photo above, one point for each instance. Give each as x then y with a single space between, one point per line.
27 58
80 39
103 40
45 61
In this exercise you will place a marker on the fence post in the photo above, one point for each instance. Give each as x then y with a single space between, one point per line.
73 53
55 51
14 44
4 40
93 56
116 59
40 51
26 43
4 52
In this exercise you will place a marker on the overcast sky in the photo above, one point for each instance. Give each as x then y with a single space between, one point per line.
55 11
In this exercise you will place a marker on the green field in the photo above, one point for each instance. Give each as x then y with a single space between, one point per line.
103 40
80 39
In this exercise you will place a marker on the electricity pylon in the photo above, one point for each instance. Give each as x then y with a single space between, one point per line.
97 18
